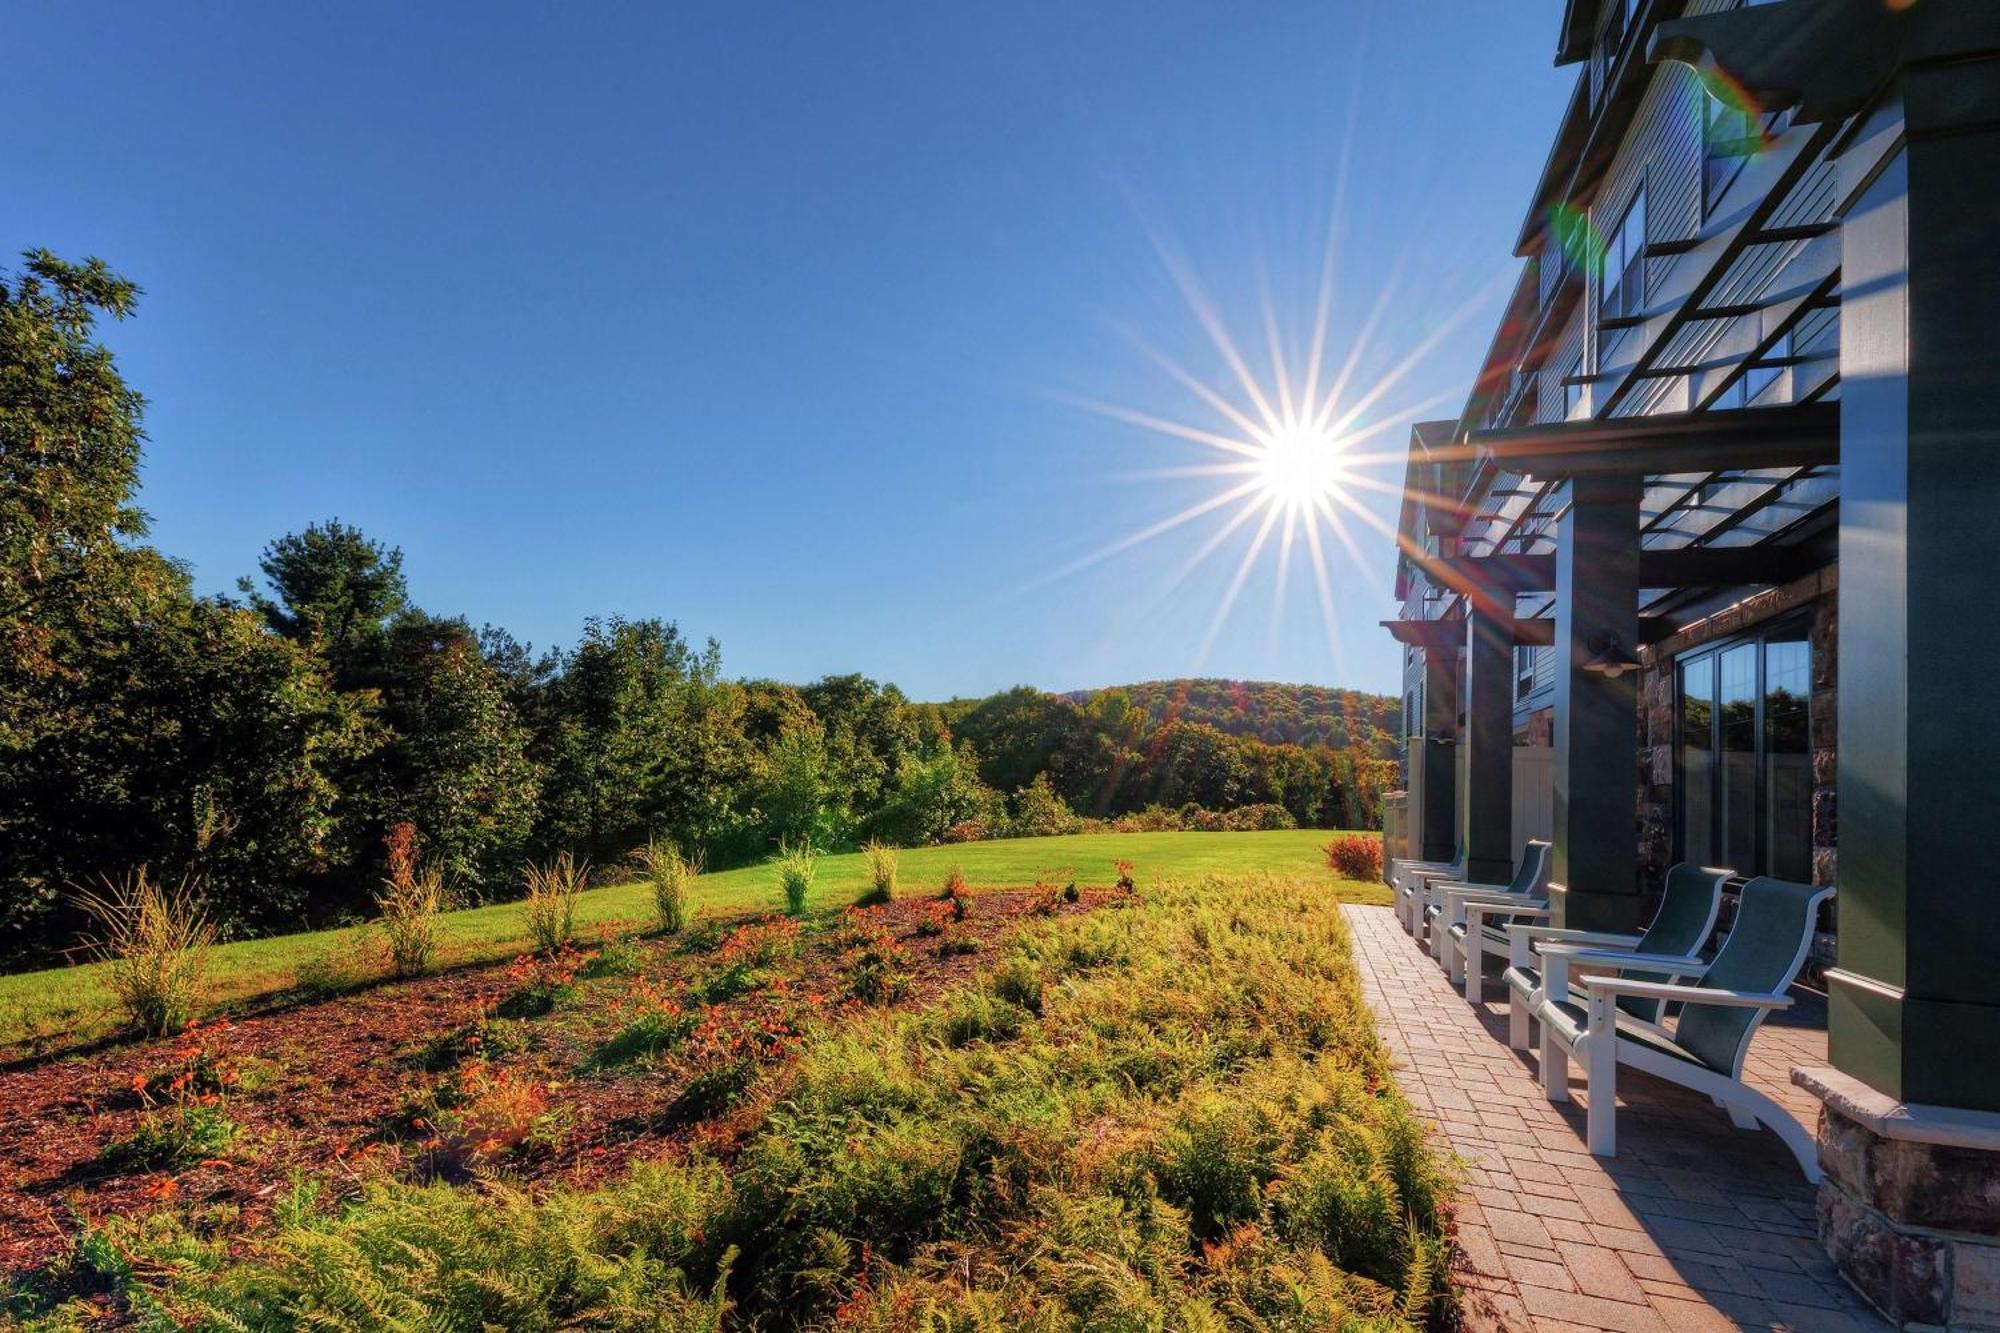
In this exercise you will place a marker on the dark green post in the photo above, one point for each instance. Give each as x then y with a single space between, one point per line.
1437 829
1486 823
1916 999
1596 732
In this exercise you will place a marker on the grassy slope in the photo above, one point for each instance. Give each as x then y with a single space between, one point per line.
70 1005
1170 1116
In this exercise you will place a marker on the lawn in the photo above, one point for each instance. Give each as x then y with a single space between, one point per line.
45 1011
1161 1110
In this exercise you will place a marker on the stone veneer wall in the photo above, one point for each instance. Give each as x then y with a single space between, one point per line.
1656 721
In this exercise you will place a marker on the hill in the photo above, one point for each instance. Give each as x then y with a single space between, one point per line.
1270 711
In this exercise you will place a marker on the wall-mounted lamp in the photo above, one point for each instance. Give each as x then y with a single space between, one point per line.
1608 658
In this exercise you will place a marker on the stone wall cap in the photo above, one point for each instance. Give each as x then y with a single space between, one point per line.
1944 1126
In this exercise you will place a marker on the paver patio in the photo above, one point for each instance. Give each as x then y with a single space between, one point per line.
1695 1225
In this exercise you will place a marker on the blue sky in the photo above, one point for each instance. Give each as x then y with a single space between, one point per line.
773 318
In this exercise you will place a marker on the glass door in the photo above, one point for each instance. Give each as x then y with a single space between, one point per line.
1744 767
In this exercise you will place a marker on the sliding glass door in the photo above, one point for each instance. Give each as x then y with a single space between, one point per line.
1745 765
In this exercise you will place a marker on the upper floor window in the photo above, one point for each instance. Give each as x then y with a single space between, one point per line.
1622 281
1730 136
1618 16
1573 387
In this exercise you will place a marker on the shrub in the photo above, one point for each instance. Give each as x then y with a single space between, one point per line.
1039 812
411 900
154 942
671 877
881 875
482 1112
797 864
955 885
550 907
967 830
1126 883
762 943
613 957
880 973
659 1023
1356 856
542 981
192 1132
484 1038
1264 818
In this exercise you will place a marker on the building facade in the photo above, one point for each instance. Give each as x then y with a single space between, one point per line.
1709 532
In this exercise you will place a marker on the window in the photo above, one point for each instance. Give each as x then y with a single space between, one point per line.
1573 388
1622 282
1618 16
1731 136
1745 768
1524 670
1728 138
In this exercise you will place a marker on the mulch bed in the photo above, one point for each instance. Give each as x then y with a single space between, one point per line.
327 1090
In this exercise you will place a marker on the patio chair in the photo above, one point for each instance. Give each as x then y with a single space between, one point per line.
1720 1012
1406 879
1679 928
1446 901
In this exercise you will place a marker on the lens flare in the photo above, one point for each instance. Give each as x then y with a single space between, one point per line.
1578 240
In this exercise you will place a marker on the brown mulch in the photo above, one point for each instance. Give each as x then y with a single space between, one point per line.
334 1091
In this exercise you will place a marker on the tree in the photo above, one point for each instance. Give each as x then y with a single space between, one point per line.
336 590
456 760
640 738
1039 812
70 438
934 793
800 798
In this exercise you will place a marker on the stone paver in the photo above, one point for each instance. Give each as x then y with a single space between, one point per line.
1694 1225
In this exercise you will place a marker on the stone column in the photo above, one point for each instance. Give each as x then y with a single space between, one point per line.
1486 823
1437 827
1597 727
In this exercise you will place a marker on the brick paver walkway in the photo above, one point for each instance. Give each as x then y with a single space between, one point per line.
1695 1225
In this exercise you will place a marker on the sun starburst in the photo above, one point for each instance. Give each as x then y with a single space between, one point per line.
1286 446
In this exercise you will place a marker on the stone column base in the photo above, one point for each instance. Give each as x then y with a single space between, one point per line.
1910 1206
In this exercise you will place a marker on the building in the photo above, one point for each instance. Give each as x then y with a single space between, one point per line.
1708 539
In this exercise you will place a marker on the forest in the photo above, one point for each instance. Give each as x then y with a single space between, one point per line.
262 745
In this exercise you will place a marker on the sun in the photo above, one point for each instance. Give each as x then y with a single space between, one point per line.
1300 464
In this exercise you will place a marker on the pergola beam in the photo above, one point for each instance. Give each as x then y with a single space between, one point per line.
1804 435
1686 567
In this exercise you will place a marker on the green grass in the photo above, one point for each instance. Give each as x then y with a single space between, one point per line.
1173 1115
53 1010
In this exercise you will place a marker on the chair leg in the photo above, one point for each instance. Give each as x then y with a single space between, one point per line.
1520 1026
1472 960
1555 1067
1600 1062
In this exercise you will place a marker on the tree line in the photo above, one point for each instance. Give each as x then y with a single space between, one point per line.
265 744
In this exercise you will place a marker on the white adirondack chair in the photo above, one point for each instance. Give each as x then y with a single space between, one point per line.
1406 880
1680 926
1525 897
1453 907
1720 1012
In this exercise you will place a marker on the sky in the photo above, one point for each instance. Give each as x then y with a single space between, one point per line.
841 334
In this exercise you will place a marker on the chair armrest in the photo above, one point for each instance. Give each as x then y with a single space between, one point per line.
1677 964
1476 912
1668 990
1465 886
1590 939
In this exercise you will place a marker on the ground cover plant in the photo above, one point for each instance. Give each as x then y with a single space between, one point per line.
1152 1109
43 1012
